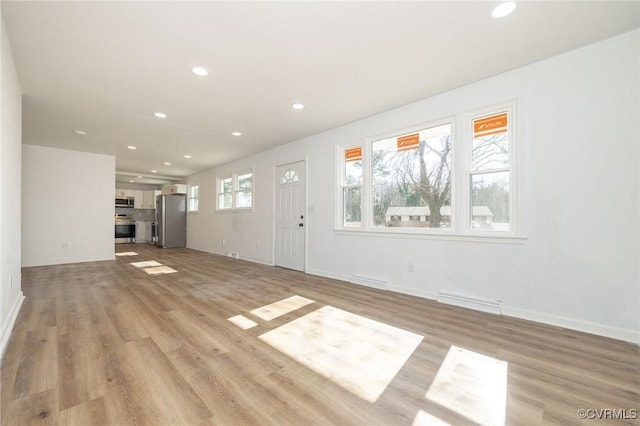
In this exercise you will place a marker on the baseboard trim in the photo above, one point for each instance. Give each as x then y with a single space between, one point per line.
65 261
7 327
330 275
626 335
413 292
617 333
226 254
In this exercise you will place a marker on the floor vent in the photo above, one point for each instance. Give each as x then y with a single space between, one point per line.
369 282
484 305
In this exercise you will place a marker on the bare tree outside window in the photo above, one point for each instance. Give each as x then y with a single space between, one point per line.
418 176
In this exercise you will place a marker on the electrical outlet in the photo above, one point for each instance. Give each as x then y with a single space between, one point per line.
410 267
65 245
257 244
224 243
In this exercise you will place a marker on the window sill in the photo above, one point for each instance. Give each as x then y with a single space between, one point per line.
438 236
243 210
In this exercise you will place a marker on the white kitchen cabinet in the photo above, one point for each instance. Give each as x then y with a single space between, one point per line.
149 200
147 227
138 200
141 231
125 192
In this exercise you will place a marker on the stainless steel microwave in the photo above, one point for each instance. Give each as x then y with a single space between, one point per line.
124 202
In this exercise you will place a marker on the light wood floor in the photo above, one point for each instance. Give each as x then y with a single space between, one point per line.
104 343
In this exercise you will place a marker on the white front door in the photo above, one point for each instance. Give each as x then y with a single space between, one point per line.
290 216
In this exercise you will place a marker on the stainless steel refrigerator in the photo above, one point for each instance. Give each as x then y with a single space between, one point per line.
171 220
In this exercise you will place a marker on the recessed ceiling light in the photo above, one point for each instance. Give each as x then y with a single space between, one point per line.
187 156
160 115
139 177
131 181
131 147
503 9
166 163
154 171
200 71
236 134
80 132
297 105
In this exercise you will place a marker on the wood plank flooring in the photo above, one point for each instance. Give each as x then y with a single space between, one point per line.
104 343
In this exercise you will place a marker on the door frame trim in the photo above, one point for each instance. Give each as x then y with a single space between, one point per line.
306 213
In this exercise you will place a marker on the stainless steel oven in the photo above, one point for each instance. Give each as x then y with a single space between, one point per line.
125 231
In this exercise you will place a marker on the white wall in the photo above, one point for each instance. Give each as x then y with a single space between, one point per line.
67 206
11 296
579 266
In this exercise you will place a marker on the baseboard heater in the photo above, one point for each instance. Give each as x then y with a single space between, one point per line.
478 304
369 282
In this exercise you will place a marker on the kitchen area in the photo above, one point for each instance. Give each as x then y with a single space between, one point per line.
151 216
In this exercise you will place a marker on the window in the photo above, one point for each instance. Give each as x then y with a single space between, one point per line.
351 187
193 198
411 178
235 192
225 193
490 173
290 176
455 177
244 190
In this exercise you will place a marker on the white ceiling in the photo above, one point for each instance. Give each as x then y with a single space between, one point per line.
106 67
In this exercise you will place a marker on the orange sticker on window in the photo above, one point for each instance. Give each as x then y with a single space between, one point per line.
490 125
353 154
408 142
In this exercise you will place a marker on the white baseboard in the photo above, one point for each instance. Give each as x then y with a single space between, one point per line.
377 283
325 274
226 254
628 335
65 261
7 327
413 292
489 306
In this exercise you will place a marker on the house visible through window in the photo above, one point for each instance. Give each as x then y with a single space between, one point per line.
455 176
411 177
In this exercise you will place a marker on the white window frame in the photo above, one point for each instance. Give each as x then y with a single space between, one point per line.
460 229
220 192
194 201
344 185
235 190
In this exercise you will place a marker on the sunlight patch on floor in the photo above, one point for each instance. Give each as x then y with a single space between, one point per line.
281 307
472 385
242 322
127 253
357 353
159 270
425 419
146 264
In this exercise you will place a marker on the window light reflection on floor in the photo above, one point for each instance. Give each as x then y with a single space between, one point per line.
472 385
242 322
425 419
281 307
359 354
